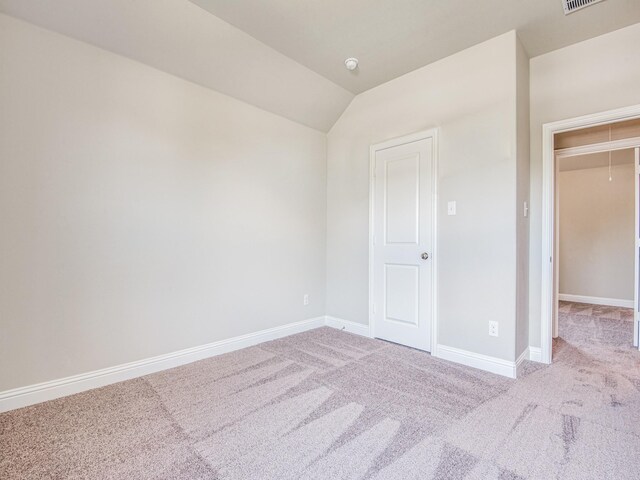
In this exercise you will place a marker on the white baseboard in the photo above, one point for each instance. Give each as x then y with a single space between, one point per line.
610 302
32 394
41 392
519 362
348 326
476 360
535 354
471 359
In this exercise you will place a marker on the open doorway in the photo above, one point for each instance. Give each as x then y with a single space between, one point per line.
591 232
595 239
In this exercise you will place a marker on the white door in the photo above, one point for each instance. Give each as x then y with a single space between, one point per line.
402 244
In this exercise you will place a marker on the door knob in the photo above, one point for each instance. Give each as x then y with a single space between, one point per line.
424 256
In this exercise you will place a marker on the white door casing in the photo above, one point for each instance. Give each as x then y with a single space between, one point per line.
636 292
403 241
556 248
548 205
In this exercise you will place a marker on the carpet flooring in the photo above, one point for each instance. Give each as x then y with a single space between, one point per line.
330 405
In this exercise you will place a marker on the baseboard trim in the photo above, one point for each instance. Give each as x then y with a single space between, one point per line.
519 362
464 357
41 392
609 302
535 354
495 365
348 326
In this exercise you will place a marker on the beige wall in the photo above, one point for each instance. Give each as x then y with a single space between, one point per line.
471 98
141 214
597 232
593 76
597 134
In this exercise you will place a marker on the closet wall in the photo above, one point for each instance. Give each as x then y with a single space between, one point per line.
597 229
597 220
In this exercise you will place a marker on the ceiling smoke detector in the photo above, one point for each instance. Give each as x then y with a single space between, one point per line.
571 6
351 63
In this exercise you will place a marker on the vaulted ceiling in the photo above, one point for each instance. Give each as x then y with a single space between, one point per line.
286 56
393 37
180 38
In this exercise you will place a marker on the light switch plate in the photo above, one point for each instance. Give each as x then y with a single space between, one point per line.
451 208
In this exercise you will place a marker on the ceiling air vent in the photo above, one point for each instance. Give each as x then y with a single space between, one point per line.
571 6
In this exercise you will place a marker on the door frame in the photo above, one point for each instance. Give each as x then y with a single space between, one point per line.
373 149
547 257
636 243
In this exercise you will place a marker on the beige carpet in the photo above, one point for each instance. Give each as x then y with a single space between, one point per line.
330 405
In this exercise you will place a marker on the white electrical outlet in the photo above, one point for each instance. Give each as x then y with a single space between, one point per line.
305 299
493 329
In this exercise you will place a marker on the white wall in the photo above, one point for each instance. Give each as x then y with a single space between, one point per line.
592 76
141 214
471 98
597 232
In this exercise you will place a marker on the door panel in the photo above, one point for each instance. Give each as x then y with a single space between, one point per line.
402 290
401 195
403 217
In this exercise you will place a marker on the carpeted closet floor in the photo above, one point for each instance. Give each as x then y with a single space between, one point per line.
330 405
